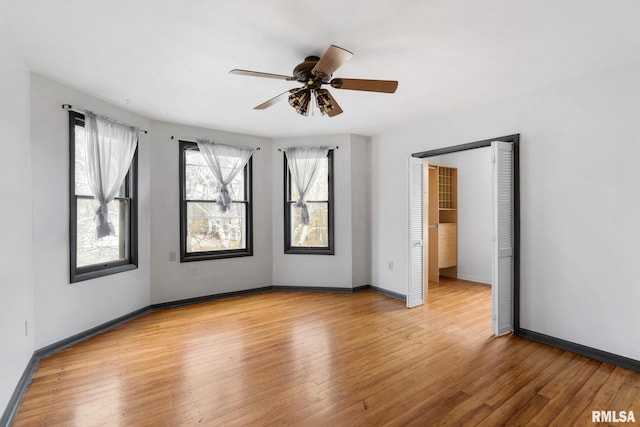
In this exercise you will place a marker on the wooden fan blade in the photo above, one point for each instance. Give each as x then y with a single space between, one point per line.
336 108
275 99
272 101
259 74
385 86
332 59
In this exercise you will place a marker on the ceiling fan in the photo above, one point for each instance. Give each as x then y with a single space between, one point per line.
315 72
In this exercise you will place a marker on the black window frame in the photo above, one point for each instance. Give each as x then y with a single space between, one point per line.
248 191
79 274
308 250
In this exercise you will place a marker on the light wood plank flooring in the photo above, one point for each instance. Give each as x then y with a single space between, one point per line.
319 359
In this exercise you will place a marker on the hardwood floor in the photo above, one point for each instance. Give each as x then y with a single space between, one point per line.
292 358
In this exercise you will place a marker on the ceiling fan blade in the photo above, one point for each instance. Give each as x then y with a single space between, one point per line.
274 100
385 86
332 59
335 110
259 74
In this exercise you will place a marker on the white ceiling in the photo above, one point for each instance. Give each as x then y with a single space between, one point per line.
169 60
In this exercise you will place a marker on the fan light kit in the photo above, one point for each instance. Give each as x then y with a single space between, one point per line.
315 72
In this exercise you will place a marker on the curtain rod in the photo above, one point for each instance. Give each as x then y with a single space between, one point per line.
188 139
330 148
69 107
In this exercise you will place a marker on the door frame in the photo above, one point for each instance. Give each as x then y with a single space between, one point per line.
515 140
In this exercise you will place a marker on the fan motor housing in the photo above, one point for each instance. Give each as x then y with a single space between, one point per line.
302 72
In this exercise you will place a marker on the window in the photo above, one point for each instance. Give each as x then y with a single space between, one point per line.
91 257
205 231
317 237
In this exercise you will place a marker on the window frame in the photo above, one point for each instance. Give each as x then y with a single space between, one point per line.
79 274
309 250
185 256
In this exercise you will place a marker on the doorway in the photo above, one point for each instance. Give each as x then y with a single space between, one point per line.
505 227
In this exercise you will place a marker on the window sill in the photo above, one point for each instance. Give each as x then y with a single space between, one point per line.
309 251
80 276
205 256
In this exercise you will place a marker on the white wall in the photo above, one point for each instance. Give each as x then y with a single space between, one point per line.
474 211
314 270
172 280
16 261
63 309
579 159
360 210
350 265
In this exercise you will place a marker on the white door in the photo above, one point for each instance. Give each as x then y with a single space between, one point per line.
415 291
502 271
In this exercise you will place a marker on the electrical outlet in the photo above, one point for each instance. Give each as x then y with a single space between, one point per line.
390 265
26 328
172 256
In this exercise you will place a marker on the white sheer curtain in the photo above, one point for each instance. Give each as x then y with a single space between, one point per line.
304 165
225 162
110 149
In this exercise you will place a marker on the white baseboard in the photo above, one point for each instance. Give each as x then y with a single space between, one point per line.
483 280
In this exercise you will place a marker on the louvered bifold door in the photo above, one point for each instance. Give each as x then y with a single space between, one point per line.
415 292
502 292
